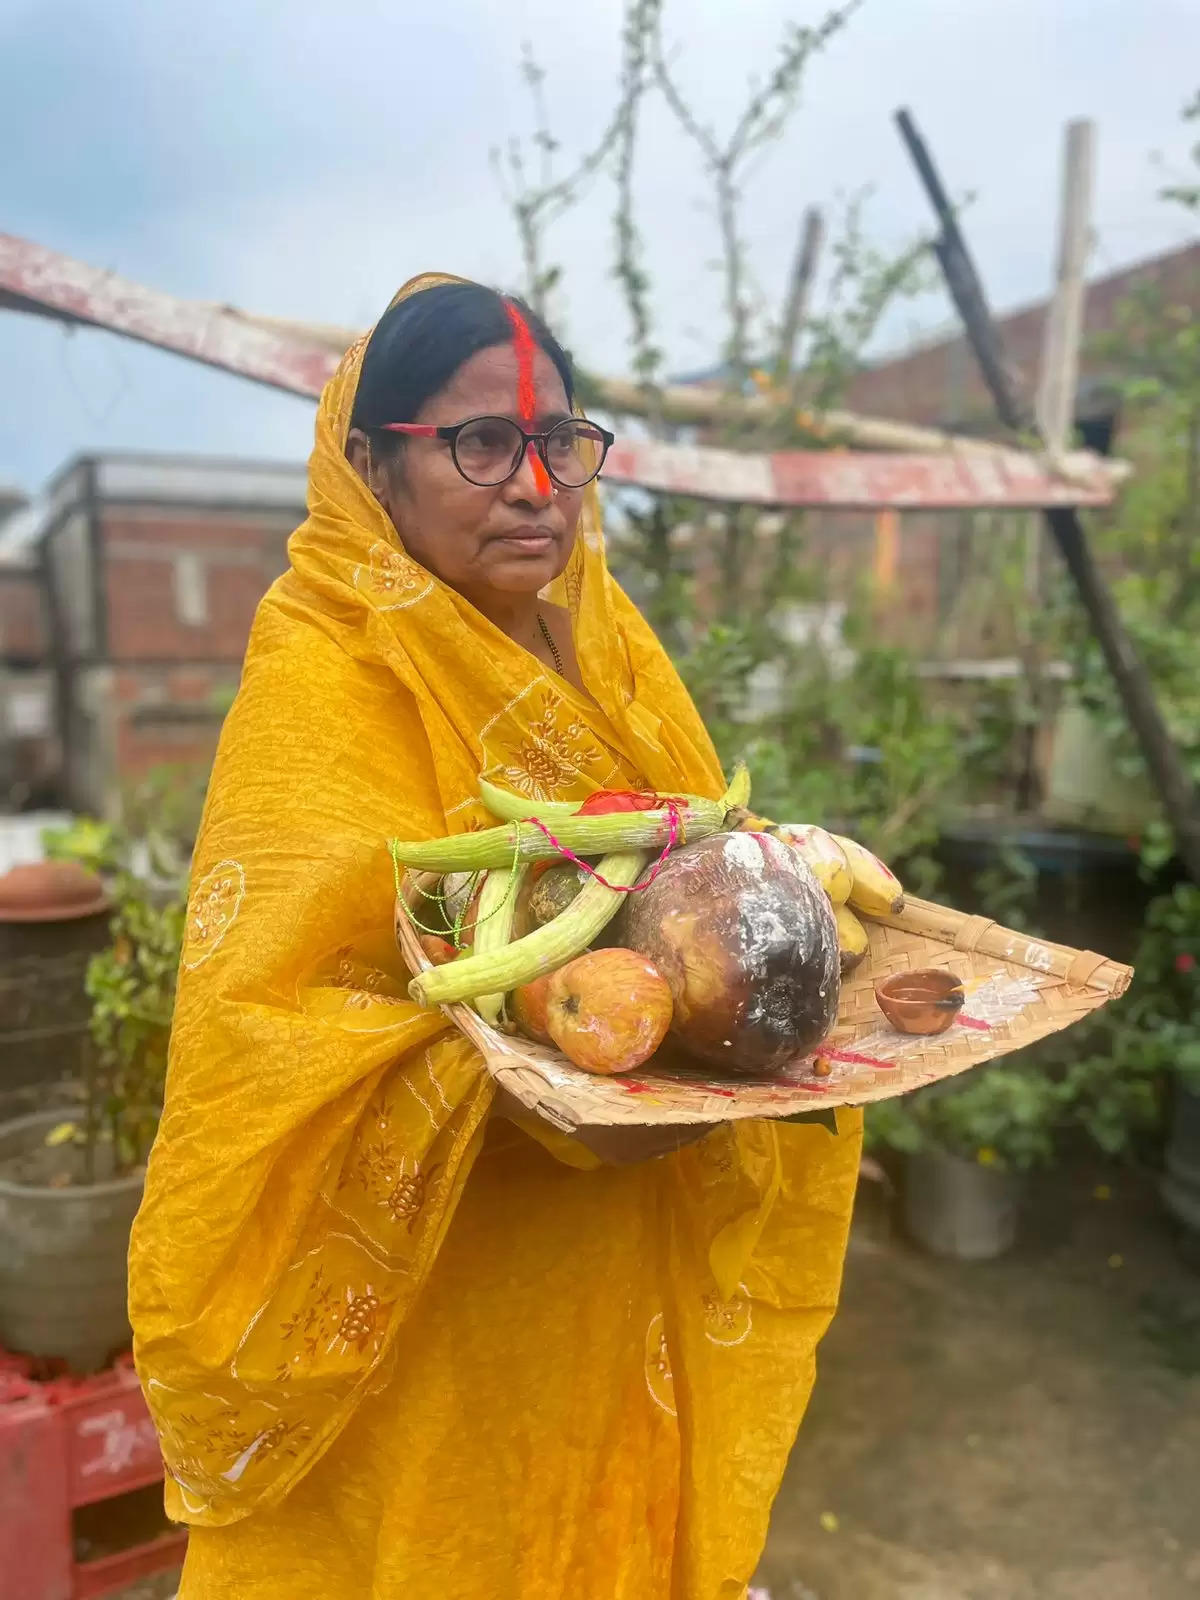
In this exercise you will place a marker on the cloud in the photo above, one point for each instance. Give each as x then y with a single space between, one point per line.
304 160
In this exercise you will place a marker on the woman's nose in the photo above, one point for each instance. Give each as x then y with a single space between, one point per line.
531 479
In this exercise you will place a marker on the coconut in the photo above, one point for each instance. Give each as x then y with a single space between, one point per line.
745 937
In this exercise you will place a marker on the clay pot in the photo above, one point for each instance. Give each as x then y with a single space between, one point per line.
63 1261
50 891
954 1207
925 1001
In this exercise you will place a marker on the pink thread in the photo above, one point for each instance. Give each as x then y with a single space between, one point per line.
674 832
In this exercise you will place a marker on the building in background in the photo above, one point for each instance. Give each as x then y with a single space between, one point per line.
128 598
928 559
936 382
28 757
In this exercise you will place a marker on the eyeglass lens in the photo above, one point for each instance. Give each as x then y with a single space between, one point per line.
488 451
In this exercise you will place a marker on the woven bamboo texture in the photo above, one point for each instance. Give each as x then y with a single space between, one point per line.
1018 990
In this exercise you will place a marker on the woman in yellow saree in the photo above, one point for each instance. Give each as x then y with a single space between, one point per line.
398 1340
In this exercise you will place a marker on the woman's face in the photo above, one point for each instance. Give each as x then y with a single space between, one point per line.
508 539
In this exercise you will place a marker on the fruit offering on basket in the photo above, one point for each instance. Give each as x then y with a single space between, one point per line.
548 890
824 855
606 927
527 1006
853 944
745 937
854 879
608 1011
437 949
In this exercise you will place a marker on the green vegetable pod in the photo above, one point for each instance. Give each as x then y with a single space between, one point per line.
493 929
511 807
544 950
585 836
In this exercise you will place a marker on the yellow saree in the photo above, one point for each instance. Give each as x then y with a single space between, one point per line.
394 1347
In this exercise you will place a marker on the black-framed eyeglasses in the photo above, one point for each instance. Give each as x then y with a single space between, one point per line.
489 450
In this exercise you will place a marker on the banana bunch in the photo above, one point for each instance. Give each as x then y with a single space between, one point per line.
625 842
853 878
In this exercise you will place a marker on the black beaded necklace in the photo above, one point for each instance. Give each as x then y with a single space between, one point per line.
551 646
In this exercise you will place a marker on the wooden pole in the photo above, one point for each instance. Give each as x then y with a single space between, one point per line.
1058 380
1166 767
699 407
840 428
1064 322
799 289
887 550
965 288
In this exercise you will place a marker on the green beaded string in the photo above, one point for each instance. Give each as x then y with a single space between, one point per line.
439 897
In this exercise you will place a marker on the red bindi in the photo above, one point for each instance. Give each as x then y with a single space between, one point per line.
524 348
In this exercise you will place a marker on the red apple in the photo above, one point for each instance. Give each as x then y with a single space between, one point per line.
437 949
608 1010
470 917
527 1008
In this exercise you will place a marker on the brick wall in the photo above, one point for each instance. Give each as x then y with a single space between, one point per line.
185 585
937 386
22 622
938 383
168 716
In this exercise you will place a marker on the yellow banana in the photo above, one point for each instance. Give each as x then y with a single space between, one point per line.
824 855
852 938
746 822
876 891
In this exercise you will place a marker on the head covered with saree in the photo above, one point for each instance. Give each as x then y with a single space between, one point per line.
320 1128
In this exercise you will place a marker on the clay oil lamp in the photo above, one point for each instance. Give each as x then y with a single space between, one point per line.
925 1001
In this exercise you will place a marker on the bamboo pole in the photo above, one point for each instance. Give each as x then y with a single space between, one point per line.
700 407
1059 379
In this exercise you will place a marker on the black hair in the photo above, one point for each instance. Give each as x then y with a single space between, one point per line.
419 344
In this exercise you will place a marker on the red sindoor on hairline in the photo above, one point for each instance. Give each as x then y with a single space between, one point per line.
524 347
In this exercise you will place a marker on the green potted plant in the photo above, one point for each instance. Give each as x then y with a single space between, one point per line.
1145 1066
71 1179
1169 963
966 1146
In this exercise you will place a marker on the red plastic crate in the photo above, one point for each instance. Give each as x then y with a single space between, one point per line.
66 1444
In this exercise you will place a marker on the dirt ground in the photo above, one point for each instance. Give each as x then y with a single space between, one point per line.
1027 1429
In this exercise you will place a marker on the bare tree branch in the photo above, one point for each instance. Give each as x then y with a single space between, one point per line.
762 120
641 27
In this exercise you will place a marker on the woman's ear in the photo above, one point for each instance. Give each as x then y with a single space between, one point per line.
358 454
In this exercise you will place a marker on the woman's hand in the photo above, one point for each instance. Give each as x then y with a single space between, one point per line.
624 1147
615 1146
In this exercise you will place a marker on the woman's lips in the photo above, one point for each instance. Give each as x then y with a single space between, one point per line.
529 541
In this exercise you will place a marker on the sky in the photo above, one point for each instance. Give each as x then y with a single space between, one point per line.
303 159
